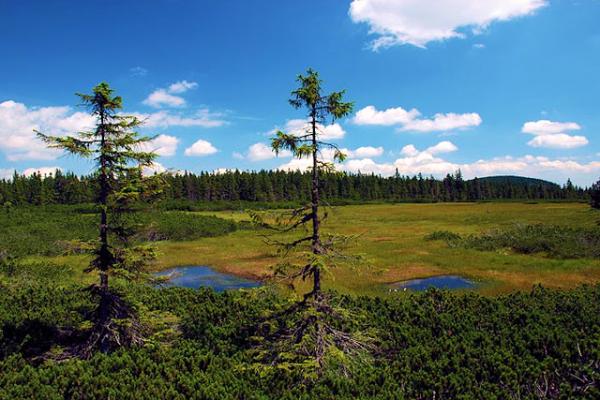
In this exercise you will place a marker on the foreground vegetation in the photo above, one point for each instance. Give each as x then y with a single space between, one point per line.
536 344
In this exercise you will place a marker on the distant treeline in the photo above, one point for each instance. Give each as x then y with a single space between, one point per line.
283 186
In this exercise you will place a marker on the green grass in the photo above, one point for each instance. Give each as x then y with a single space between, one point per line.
392 239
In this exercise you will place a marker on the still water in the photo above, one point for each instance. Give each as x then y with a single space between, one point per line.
201 276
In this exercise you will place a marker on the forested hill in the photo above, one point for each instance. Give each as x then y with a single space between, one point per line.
519 181
279 186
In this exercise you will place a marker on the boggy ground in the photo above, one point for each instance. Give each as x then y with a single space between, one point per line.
392 241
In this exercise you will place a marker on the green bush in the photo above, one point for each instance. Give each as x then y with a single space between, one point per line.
55 230
434 344
554 241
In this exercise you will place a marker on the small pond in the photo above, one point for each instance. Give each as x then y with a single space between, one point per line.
200 276
438 282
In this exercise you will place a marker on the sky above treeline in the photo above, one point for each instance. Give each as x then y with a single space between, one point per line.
488 87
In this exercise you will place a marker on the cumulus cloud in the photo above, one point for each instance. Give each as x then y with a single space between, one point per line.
19 142
558 141
299 127
392 116
442 147
411 121
364 152
409 150
328 155
430 162
155 168
167 97
545 127
162 145
17 123
200 148
418 22
161 97
550 134
261 151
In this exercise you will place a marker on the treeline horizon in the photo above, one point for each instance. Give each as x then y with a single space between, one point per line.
293 186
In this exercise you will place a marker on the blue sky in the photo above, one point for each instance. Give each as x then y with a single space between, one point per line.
495 87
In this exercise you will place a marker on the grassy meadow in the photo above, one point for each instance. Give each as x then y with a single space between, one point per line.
391 238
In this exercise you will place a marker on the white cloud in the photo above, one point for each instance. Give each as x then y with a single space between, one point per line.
418 22
260 151
364 152
299 127
443 122
200 148
182 86
155 168
442 147
302 164
409 150
17 122
550 134
331 132
558 141
410 121
166 97
43 171
164 119
545 127
161 97
162 145
428 162
479 46
392 116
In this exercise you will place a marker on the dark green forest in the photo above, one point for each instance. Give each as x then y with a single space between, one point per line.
283 186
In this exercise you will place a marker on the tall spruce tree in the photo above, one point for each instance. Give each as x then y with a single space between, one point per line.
308 335
116 150
308 144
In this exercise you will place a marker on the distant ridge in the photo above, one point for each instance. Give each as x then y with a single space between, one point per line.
517 180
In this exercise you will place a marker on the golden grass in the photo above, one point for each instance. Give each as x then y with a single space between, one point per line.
392 240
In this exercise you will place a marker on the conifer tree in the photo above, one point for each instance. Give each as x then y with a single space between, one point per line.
116 150
308 144
310 335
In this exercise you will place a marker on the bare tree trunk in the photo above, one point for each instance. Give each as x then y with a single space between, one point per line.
316 240
104 249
